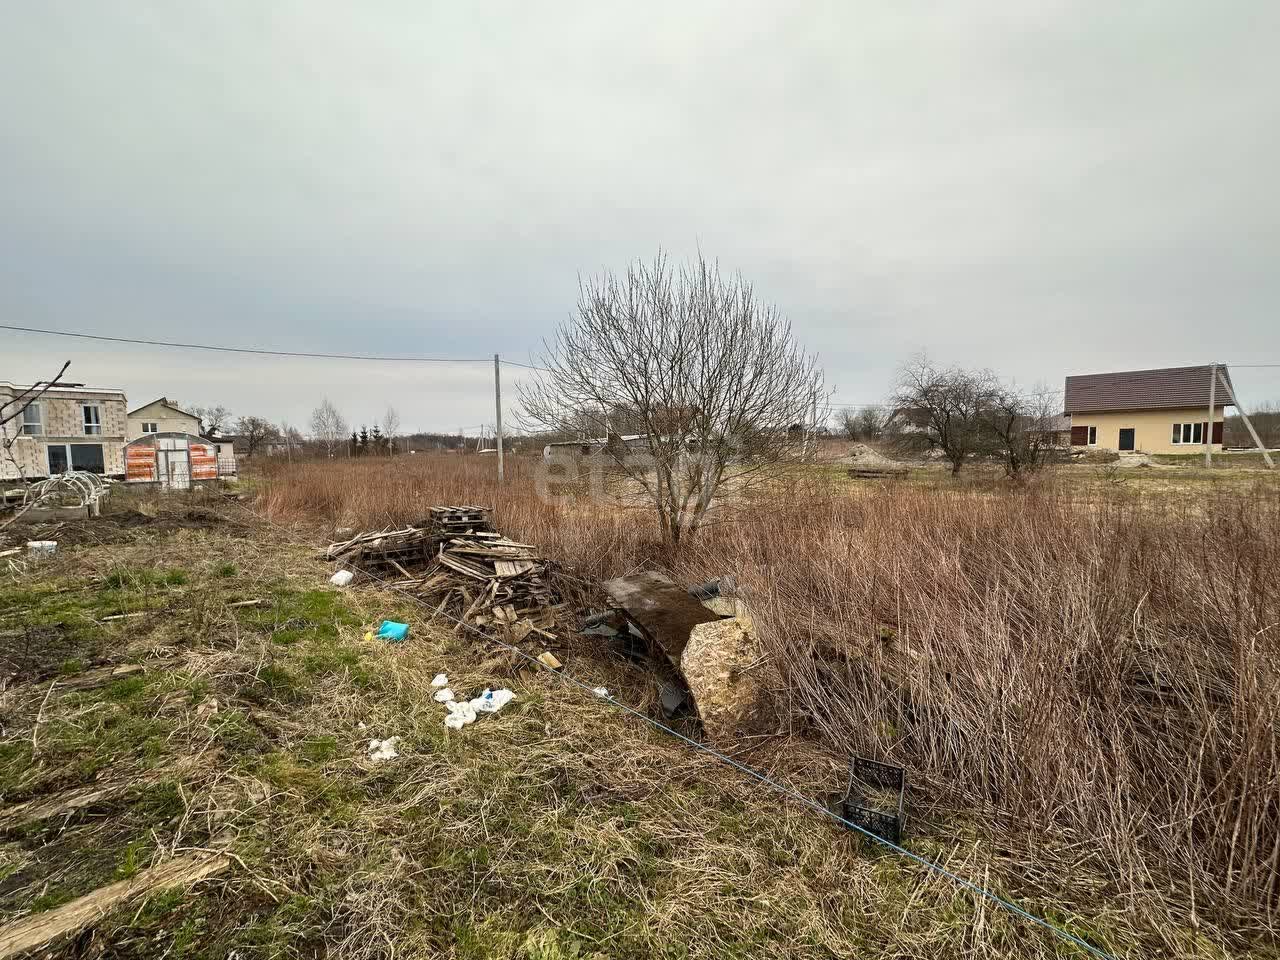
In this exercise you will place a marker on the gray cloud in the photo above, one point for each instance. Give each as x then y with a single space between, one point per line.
1042 188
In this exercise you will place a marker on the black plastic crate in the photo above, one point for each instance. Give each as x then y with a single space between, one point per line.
857 806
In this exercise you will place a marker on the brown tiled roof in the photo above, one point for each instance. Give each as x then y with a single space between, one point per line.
1159 389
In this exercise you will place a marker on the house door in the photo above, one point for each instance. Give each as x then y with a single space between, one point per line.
173 463
1126 438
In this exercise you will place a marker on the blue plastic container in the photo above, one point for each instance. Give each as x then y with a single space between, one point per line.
392 631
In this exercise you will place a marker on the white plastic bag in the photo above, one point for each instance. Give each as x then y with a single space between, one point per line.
444 696
491 701
441 680
342 578
384 749
460 714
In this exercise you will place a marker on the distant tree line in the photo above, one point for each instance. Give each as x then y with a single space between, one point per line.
1265 419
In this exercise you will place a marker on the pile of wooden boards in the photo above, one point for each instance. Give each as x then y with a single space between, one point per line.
493 580
456 560
387 553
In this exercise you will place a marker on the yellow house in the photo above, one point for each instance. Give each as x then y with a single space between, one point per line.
162 416
1148 411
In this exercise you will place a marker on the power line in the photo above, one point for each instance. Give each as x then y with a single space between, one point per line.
527 366
253 350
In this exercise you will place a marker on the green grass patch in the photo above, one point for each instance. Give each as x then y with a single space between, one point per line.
319 749
52 898
144 578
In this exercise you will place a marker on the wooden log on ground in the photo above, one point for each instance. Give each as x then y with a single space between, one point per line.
42 928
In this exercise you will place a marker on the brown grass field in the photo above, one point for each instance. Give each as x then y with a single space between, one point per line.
1088 661
1079 673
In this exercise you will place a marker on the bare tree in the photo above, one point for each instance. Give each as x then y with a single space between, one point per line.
714 378
292 438
1020 428
390 427
950 406
212 419
255 431
865 423
328 427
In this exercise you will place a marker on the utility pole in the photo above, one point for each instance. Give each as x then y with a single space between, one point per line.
497 399
1208 438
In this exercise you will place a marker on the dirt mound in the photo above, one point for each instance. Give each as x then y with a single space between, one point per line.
861 455
1131 461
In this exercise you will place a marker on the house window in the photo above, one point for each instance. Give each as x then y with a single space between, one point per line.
33 420
92 419
150 427
76 456
1192 433
1093 436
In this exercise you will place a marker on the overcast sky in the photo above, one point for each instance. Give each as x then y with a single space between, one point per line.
1042 188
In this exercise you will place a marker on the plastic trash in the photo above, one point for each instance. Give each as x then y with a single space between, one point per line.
393 631
42 548
440 680
460 714
491 701
444 696
384 749
601 692
342 578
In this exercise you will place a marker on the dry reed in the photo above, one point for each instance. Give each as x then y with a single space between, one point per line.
1095 668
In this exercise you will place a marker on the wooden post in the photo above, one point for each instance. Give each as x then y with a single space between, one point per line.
1208 440
1247 422
497 397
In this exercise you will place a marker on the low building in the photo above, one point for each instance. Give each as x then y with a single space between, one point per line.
1165 410
224 449
70 427
592 446
162 416
1055 431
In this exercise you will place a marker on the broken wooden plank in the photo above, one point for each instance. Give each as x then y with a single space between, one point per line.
663 611
42 928
464 567
66 802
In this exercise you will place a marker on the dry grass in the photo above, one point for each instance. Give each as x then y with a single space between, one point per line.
1089 671
556 829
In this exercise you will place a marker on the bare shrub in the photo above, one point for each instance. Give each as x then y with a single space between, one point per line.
949 407
1020 429
712 378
